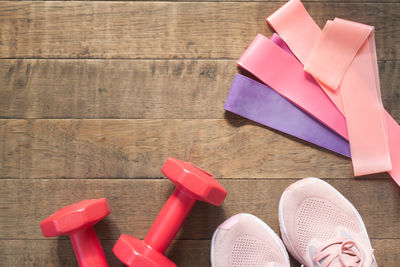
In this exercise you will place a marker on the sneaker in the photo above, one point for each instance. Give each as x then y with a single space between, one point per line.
246 241
321 228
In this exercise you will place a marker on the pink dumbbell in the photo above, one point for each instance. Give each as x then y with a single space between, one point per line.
77 221
192 184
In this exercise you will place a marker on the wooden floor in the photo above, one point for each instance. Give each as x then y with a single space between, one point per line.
94 96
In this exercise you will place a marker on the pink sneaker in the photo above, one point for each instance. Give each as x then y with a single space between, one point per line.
245 241
320 227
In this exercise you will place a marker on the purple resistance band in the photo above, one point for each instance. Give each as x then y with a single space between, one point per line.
258 102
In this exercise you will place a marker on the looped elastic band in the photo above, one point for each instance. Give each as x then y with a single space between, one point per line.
346 70
259 103
284 73
335 50
300 32
344 56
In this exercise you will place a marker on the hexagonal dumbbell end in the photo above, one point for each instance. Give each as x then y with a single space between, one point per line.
77 221
192 183
134 252
187 176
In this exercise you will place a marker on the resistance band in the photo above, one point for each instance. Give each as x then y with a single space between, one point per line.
299 31
284 73
302 34
281 43
344 56
260 103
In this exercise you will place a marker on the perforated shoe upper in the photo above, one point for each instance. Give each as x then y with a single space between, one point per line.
320 227
245 241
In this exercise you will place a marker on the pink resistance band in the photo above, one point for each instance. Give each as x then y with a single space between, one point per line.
293 23
284 73
356 65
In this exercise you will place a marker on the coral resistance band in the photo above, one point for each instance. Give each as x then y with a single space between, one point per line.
342 58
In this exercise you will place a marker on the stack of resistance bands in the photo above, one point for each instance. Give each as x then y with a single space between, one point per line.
321 86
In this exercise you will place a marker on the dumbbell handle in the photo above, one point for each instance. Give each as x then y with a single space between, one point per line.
87 248
170 220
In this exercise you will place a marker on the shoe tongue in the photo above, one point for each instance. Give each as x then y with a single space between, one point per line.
345 235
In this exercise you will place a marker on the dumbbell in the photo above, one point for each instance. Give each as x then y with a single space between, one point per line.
192 183
77 221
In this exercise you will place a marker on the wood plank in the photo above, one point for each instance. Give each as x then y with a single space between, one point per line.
115 89
278 1
183 252
130 89
138 148
164 29
59 253
136 203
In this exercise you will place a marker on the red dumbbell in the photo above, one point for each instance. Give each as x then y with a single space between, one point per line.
192 184
77 221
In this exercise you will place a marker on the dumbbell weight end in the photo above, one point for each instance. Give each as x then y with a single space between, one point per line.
77 221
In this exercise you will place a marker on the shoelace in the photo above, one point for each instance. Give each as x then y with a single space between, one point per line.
344 248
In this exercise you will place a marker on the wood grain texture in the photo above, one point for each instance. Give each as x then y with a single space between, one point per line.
154 89
133 89
185 253
164 30
138 148
278 1
136 203
94 96
59 253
